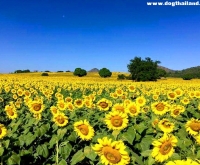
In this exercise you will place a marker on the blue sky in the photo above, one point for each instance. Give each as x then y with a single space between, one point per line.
66 34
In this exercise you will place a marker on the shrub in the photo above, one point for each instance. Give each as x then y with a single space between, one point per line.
44 74
104 72
121 77
80 72
187 77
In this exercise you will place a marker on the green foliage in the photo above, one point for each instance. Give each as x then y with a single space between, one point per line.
104 72
143 70
121 77
187 77
80 72
44 74
60 71
22 71
161 73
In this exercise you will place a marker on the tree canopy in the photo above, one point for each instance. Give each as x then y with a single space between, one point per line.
143 70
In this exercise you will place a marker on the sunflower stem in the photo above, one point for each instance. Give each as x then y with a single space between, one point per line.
57 150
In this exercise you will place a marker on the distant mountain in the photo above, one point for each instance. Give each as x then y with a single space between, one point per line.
166 69
192 71
94 70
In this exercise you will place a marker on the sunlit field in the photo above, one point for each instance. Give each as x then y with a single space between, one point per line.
62 119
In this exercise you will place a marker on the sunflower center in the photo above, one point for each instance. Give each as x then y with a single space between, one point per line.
116 121
83 129
68 99
10 112
195 126
176 112
103 104
140 101
36 107
79 102
160 107
165 148
112 155
60 119
132 87
166 124
172 95
133 109
61 105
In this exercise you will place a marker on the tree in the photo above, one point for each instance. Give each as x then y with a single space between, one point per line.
80 72
161 73
143 70
104 72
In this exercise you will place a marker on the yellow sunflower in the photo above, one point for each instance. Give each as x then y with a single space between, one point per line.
171 95
176 110
11 111
104 104
116 120
84 130
68 99
78 103
133 109
54 110
193 126
160 108
197 94
119 107
3 131
166 126
70 106
60 119
141 101
62 105
36 106
111 153
185 100
119 91
131 88
179 92
163 147
182 162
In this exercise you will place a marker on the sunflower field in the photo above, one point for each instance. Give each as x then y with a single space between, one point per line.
62 119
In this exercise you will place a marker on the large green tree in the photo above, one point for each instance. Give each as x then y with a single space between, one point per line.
80 72
143 70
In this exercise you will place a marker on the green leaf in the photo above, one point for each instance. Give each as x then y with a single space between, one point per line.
89 153
62 162
29 138
1 151
137 158
6 143
61 133
146 153
42 130
198 154
140 127
78 157
129 136
43 150
72 137
14 159
151 160
175 156
53 141
146 142
24 152
65 150
115 133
